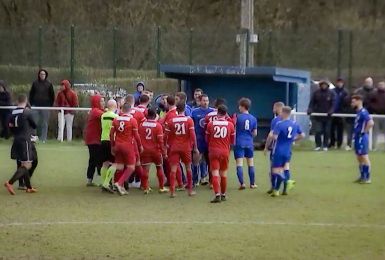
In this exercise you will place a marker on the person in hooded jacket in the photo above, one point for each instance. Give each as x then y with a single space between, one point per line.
5 100
139 91
322 101
42 94
365 92
66 97
376 102
92 137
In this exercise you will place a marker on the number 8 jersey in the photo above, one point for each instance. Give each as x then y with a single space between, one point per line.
220 135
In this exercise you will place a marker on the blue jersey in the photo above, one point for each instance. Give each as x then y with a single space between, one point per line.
188 110
273 123
362 118
245 126
286 130
198 115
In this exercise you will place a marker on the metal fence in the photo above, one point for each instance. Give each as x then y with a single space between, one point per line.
91 54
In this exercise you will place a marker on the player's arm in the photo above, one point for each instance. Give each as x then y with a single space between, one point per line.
136 135
232 134
269 140
369 124
255 129
159 139
166 135
276 132
112 136
300 135
192 135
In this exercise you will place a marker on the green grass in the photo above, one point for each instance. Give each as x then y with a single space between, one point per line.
326 215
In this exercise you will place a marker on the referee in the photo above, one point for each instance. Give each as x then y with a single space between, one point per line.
22 126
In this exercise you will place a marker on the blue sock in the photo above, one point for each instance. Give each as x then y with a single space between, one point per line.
240 174
362 174
203 169
366 171
286 175
252 175
278 181
195 174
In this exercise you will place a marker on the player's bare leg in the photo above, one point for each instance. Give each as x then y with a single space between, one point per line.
251 171
160 175
288 183
172 179
119 184
190 190
223 175
239 163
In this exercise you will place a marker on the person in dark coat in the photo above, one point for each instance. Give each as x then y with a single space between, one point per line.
42 95
365 91
322 101
337 127
376 103
5 100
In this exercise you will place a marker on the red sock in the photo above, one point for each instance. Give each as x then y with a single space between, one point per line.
215 182
210 177
172 181
167 170
118 174
125 176
159 174
223 184
144 178
139 171
179 177
189 179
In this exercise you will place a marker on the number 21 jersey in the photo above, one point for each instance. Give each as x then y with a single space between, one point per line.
180 131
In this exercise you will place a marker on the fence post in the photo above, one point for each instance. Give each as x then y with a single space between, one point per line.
39 47
114 53
72 61
350 61
339 51
190 47
158 54
247 47
62 124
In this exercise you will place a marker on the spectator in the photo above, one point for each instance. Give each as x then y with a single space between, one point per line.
349 121
196 102
42 95
66 98
365 91
376 101
138 93
322 101
5 100
337 127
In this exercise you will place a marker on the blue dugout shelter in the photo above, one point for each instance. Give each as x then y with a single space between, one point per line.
263 85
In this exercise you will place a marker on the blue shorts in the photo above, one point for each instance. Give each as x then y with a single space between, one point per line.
361 145
243 152
279 160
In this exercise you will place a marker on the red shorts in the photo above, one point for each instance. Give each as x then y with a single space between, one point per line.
125 154
148 157
219 161
175 157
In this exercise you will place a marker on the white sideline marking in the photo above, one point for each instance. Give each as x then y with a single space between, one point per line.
258 223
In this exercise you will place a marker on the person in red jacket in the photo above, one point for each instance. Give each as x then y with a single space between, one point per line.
66 98
92 135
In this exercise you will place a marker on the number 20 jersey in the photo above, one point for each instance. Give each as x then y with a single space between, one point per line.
220 135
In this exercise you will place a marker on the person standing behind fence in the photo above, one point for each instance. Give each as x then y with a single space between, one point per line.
42 95
5 100
365 91
66 98
376 101
138 93
337 128
322 101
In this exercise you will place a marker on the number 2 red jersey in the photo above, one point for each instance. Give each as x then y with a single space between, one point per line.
180 133
138 115
220 135
151 135
124 130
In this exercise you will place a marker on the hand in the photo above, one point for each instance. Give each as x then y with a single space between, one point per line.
309 113
265 151
141 149
196 151
330 114
113 151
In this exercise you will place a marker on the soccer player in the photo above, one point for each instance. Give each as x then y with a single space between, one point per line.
151 135
277 110
285 133
362 126
220 135
106 155
144 100
196 103
22 125
180 137
181 98
246 129
124 137
198 115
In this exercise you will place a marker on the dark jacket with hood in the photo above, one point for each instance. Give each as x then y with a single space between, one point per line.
5 97
376 101
93 130
340 96
137 94
322 101
365 92
42 93
67 97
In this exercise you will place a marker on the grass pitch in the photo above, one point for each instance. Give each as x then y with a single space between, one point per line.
326 216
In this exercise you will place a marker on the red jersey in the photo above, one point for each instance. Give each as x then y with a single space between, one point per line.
124 130
220 135
180 133
141 109
139 116
151 135
213 116
169 115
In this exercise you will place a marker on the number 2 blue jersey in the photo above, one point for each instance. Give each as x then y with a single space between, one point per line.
286 130
245 126
198 115
362 118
